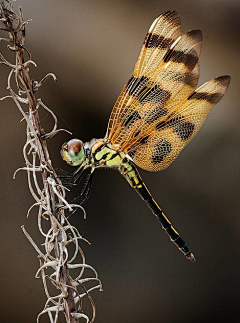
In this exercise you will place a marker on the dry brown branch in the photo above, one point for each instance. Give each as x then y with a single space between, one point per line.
58 259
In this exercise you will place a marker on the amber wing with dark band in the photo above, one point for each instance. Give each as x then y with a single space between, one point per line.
162 34
170 134
159 110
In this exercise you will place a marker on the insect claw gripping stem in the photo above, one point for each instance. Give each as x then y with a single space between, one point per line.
84 194
72 179
85 190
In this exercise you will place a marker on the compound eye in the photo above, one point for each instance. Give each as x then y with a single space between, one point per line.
74 145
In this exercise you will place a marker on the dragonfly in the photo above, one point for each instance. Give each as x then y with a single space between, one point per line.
158 112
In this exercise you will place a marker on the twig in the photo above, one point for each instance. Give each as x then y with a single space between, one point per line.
50 193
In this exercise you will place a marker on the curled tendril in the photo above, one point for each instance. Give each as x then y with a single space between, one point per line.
61 258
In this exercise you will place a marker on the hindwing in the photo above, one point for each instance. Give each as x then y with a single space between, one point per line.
167 137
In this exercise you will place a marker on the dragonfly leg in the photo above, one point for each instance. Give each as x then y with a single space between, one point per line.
85 192
72 179
130 172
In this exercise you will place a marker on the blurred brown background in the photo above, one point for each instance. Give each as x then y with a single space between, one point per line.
92 46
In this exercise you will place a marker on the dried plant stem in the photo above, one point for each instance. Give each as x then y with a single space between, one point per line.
51 198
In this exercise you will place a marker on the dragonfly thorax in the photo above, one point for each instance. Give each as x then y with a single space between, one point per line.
104 154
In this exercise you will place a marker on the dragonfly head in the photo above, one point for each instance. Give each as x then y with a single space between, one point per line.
73 152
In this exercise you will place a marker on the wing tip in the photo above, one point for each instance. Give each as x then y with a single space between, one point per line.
224 80
196 34
169 16
170 13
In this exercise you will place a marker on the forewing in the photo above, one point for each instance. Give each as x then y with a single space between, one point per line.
163 142
147 99
161 35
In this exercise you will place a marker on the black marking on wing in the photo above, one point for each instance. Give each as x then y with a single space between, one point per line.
156 113
143 140
162 150
133 115
154 94
189 59
157 41
210 97
135 85
165 123
137 133
183 128
140 142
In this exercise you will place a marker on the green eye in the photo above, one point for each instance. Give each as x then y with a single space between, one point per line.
73 152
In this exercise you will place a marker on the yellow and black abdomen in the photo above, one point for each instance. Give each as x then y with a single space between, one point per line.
129 171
